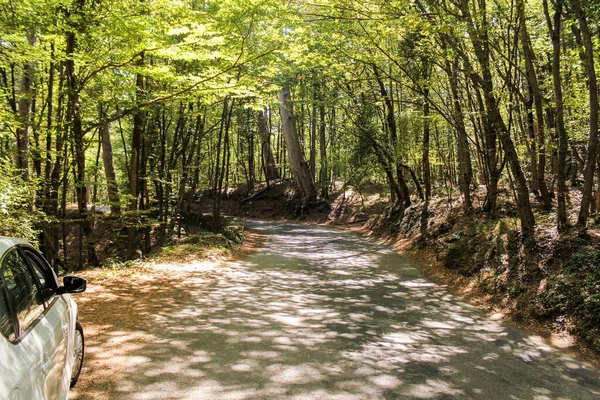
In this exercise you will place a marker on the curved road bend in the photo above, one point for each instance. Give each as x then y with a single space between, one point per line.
323 314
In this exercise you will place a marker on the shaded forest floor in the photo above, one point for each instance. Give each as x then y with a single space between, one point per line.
117 309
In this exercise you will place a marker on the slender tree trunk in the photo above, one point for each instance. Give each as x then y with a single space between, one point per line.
159 183
535 92
590 166
25 113
251 156
554 26
313 135
134 160
404 194
143 190
426 164
50 245
598 191
464 156
109 169
271 171
298 166
187 153
221 162
426 140
324 167
200 121
75 120
495 123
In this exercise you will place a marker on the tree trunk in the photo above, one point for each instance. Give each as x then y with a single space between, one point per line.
109 169
270 167
50 232
134 159
324 167
313 135
404 194
495 123
535 92
75 120
298 166
251 156
561 132
426 164
25 111
426 139
220 164
464 156
590 166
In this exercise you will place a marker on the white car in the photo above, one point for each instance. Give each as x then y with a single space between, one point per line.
41 341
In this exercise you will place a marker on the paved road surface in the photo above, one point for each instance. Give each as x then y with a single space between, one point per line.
324 314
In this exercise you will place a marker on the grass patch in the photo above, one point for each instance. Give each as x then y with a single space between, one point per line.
201 246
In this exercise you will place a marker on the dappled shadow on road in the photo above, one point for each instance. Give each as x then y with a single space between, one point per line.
317 314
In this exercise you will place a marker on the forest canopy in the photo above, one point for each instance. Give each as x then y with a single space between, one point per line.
140 106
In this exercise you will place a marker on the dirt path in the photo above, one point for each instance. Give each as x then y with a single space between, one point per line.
118 311
315 314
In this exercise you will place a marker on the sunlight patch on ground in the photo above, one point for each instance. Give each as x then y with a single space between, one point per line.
295 323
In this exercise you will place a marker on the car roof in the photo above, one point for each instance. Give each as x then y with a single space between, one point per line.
8 242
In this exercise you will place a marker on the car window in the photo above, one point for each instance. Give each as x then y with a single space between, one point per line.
22 290
6 322
40 271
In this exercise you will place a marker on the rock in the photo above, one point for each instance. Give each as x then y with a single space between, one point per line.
444 228
453 238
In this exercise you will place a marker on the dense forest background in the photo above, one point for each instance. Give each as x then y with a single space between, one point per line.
144 106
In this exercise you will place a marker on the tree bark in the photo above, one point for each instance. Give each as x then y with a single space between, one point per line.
590 166
464 156
75 120
554 26
298 166
270 167
220 164
426 164
134 159
109 168
313 135
25 111
495 123
404 194
535 92
324 167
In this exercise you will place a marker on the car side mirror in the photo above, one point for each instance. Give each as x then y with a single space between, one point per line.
74 284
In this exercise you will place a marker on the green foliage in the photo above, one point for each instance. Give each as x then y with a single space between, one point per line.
198 247
19 219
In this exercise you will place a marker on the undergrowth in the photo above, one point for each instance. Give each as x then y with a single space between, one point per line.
575 293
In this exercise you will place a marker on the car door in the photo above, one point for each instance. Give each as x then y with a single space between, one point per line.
16 382
56 322
23 367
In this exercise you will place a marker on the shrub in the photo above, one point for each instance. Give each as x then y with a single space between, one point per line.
19 218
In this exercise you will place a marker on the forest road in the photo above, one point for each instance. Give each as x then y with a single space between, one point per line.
320 313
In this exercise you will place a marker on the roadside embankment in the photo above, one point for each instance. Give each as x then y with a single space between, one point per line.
550 285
